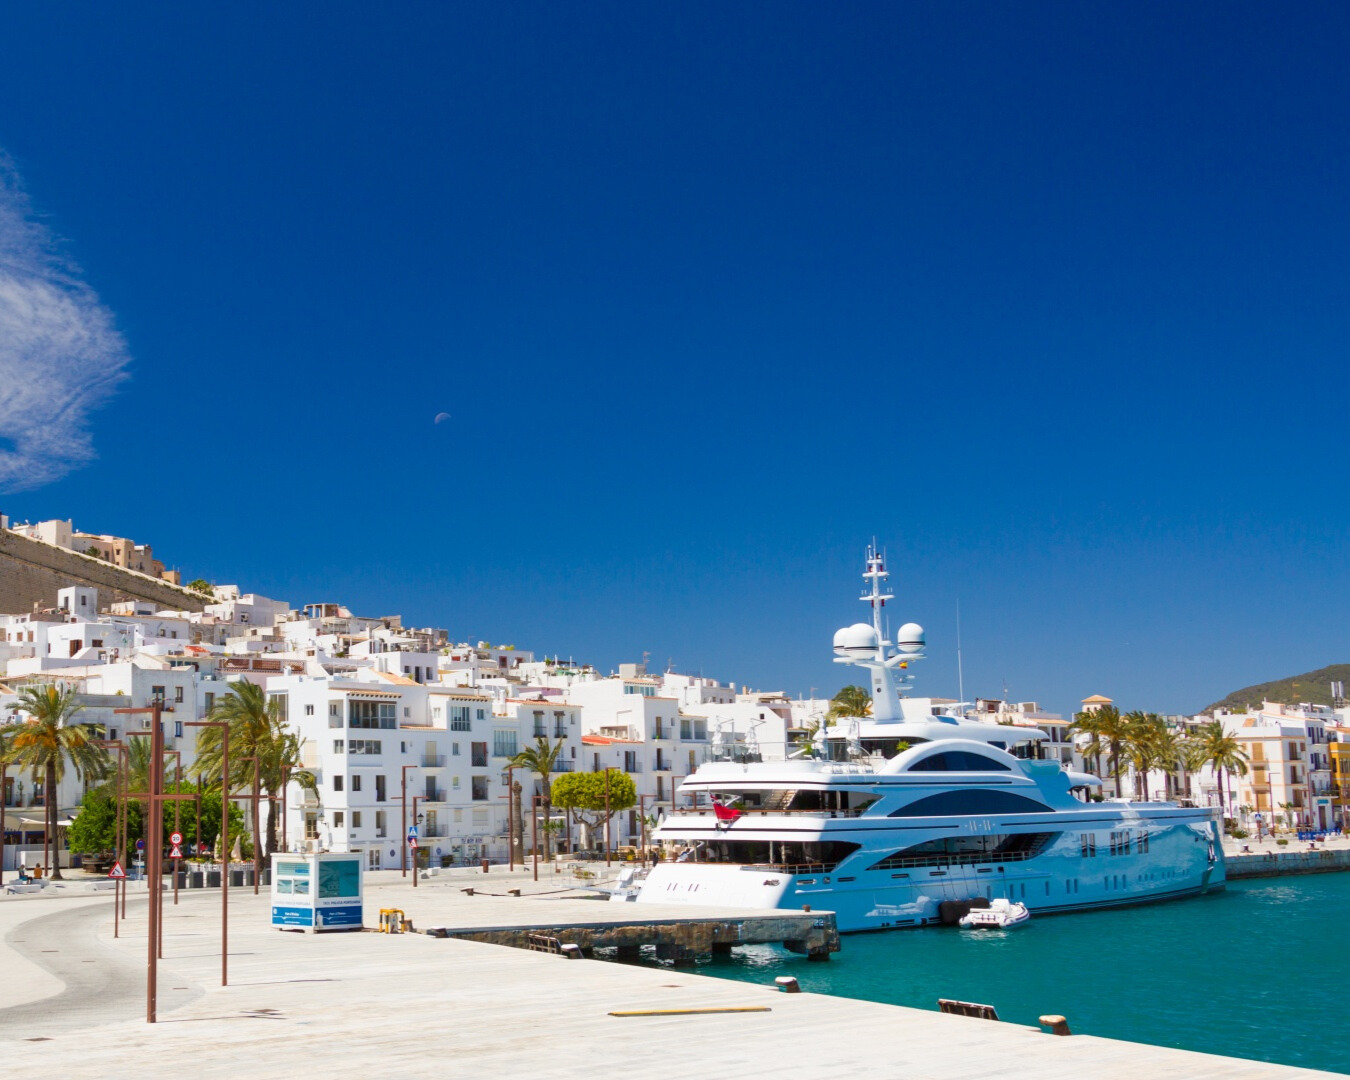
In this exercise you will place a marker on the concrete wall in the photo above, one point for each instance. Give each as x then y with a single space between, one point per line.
1287 862
32 572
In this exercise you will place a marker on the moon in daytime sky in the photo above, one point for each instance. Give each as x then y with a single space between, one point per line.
442 416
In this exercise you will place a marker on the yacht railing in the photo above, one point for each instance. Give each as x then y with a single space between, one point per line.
701 812
971 859
790 868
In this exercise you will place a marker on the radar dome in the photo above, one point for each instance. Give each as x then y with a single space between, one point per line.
909 638
859 637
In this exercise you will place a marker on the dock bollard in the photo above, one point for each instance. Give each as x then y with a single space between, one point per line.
512 892
787 984
1057 1024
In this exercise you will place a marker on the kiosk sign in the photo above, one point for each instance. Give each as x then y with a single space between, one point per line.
317 892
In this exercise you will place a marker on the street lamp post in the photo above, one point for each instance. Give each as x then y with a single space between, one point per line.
534 832
642 824
417 820
608 844
404 857
224 843
154 848
119 827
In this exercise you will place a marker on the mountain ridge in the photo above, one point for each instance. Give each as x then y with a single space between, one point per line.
1313 687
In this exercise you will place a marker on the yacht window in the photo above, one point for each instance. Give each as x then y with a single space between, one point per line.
958 761
965 850
972 801
792 858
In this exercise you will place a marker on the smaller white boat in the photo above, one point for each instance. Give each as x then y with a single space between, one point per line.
999 915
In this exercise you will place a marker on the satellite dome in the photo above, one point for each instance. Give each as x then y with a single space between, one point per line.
859 637
909 638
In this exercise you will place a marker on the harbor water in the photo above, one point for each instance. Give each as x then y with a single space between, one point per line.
1257 971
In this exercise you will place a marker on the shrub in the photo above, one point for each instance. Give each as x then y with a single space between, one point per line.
1283 841
1239 834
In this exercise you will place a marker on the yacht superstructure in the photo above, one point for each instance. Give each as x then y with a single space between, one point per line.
884 818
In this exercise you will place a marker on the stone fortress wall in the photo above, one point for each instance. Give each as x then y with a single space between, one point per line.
31 572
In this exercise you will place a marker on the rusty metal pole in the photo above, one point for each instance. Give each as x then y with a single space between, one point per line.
224 843
153 849
607 832
4 806
285 808
534 833
177 785
419 838
511 815
403 860
257 831
642 824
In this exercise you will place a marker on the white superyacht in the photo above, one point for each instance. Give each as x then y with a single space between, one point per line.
902 822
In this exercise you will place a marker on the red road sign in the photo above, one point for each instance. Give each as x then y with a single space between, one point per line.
177 852
117 871
412 842
175 838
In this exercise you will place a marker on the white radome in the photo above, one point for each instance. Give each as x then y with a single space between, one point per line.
909 638
855 638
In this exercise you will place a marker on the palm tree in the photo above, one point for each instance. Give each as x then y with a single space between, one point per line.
541 759
46 740
1107 731
256 730
851 701
1223 752
1146 744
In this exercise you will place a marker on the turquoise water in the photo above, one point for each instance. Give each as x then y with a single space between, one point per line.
1256 971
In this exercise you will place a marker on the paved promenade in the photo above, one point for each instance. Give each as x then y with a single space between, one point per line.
365 1004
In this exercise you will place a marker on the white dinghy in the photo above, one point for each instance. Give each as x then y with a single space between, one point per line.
999 915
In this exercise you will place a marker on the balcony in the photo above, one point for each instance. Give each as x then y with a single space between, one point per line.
540 732
434 794
433 761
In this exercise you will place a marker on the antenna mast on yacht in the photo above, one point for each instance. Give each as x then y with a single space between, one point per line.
877 575
960 672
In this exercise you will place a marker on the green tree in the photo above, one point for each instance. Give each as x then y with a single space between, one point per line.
256 729
201 585
583 793
47 740
1146 744
1107 732
851 701
1223 752
541 759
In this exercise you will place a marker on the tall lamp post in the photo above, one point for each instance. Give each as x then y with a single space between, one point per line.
404 856
608 845
224 843
417 820
154 847
119 827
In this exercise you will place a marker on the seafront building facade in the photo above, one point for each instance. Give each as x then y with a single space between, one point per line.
403 725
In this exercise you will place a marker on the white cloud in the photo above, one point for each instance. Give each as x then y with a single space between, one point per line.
60 355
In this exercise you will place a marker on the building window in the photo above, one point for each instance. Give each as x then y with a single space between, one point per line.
364 746
338 746
481 715
379 788
157 694
178 694
454 782
356 782
539 730
459 718
371 714
337 783
309 710
478 755
283 706
480 786
210 700
504 744
480 819
407 712
454 749
339 819
379 823
178 729
356 819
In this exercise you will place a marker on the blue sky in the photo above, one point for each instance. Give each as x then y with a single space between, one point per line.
1049 298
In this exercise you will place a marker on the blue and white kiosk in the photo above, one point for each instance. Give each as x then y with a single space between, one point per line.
316 892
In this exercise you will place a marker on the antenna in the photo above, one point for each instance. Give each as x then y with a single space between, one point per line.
960 672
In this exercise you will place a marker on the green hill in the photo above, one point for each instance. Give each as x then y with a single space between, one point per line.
1312 686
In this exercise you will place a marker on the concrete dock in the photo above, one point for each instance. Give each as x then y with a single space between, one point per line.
367 1004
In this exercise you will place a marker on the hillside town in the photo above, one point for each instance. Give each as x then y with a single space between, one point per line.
392 725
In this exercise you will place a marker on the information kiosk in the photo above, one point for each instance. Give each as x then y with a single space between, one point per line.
316 892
